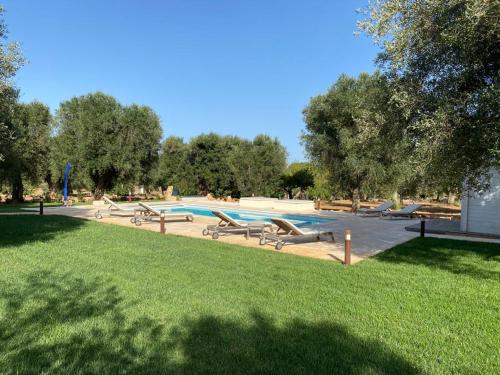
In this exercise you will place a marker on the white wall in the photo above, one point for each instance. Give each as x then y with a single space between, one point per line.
481 210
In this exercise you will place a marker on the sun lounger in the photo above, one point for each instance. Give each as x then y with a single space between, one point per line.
152 212
229 225
287 231
407 212
375 211
115 210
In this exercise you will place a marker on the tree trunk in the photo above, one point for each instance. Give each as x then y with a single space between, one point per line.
17 189
300 195
99 189
98 193
355 200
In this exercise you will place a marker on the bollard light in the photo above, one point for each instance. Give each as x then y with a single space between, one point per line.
422 228
347 247
162 222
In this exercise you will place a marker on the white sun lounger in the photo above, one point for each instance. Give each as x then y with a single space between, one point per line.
407 212
376 210
153 212
229 225
288 231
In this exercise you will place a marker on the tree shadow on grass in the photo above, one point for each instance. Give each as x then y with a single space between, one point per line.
22 229
214 345
479 260
61 324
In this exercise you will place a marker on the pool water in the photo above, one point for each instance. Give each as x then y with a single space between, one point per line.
298 220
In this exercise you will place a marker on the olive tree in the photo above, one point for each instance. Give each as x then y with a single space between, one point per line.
443 57
354 133
174 167
106 143
297 176
258 164
10 61
27 159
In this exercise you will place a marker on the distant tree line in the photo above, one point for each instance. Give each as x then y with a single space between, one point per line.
113 148
223 165
425 123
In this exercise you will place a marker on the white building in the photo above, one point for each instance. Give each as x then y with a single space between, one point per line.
481 210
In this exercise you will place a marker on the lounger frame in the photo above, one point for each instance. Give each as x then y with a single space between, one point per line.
114 210
230 226
376 211
402 213
148 213
287 232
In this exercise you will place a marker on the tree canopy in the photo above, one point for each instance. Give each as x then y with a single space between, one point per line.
258 165
297 176
27 158
222 165
10 61
106 143
443 58
174 168
355 133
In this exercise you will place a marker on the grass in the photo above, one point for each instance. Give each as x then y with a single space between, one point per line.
85 297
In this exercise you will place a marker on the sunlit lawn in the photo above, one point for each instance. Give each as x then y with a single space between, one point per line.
86 297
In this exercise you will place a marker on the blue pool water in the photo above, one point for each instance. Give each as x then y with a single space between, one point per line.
299 220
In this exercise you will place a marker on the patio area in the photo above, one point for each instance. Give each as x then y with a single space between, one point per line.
370 235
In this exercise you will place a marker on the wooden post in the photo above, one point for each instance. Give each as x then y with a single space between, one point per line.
162 222
347 247
41 207
422 228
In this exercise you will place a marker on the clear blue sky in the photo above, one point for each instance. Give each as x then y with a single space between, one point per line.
228 66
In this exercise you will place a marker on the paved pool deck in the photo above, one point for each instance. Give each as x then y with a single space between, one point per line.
370 235
451 228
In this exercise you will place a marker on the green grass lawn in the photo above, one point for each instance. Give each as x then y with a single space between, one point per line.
86 297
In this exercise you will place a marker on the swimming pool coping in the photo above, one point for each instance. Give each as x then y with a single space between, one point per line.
301 219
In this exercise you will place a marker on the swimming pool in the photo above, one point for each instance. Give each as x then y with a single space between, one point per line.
299 220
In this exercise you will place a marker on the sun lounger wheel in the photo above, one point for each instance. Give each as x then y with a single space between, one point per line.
205 232
132 220
138 222
278 246
215 235
98 215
